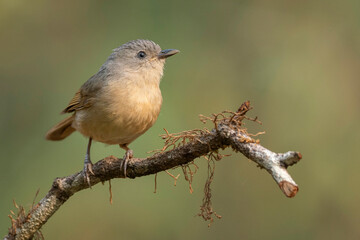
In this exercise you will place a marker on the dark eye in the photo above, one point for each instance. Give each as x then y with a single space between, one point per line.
141 54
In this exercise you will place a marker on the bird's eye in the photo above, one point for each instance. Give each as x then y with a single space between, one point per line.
141 54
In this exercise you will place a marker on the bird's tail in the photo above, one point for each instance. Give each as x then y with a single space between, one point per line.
61 130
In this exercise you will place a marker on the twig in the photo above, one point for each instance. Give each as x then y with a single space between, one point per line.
224 135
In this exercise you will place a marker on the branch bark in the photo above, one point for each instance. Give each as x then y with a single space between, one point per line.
108 168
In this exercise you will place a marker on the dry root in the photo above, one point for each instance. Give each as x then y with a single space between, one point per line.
18 219
234 120
206 209
189 174
174 140
175 178
110 193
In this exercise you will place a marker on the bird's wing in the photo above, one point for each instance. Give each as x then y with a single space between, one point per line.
84 98
79 101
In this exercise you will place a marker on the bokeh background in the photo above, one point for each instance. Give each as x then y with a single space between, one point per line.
296 61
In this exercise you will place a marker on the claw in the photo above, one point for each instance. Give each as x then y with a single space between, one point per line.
127 157
88 165
87 171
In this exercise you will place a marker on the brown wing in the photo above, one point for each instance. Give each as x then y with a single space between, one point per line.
78 102
85 96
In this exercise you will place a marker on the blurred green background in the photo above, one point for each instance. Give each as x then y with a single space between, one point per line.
296 61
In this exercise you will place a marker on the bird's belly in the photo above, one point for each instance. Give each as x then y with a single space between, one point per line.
118 122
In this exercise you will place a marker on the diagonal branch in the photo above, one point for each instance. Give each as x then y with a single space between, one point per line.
224 135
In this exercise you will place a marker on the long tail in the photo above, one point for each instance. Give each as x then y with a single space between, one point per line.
61 130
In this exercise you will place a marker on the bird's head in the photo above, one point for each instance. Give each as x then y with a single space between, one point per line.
140 56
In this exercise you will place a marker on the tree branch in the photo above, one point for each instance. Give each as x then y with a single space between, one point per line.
224 135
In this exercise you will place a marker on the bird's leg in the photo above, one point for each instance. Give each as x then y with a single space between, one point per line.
88 164
127 157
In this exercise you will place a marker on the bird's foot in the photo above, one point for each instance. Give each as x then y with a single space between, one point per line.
127 157
87 170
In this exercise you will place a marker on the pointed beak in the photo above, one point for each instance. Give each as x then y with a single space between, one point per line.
167 53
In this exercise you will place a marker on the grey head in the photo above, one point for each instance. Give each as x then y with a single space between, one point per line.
139 56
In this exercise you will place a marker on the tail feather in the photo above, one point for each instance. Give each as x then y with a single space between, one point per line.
61 130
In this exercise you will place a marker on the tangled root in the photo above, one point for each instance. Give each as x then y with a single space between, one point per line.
174 140
234 120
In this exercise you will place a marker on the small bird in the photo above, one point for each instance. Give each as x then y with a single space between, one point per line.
120 102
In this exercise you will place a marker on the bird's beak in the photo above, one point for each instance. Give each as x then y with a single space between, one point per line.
167 53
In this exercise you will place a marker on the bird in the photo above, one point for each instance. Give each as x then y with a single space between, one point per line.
120 102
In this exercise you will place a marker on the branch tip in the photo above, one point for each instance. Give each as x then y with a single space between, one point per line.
289 158
288 189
